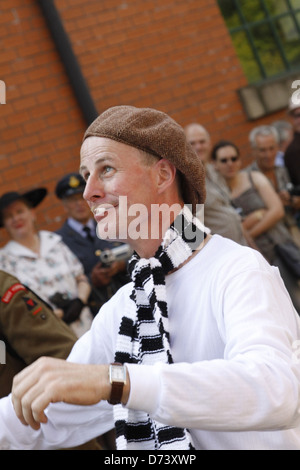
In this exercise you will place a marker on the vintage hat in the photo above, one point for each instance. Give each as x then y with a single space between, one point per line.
33 197
158 134
73 183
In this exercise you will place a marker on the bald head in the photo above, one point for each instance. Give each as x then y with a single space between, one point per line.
199 138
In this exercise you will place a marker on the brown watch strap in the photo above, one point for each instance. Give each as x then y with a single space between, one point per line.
116 393
117 387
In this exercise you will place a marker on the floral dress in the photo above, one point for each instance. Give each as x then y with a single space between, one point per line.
54 270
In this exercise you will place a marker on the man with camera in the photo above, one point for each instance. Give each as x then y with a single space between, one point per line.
79 234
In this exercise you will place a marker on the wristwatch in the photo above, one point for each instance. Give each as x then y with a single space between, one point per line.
117 378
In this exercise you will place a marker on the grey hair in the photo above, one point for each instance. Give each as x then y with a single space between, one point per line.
263 130
283 128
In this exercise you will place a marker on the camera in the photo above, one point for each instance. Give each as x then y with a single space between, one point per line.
119 253
293 190
60 300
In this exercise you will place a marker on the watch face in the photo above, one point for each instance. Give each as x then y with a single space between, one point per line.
117 374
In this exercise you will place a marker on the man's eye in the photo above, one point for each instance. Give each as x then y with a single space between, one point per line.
108 169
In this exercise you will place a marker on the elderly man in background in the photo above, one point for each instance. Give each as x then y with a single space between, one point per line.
264 141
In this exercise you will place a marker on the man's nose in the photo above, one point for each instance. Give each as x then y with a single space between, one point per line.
94 189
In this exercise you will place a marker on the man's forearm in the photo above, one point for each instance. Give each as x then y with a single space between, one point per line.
51 380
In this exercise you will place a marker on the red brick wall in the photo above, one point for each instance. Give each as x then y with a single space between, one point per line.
174 55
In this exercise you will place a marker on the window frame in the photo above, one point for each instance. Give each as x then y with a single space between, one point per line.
269 20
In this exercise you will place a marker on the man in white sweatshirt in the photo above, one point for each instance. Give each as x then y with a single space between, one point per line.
205 338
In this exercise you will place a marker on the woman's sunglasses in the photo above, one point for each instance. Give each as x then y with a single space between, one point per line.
232 159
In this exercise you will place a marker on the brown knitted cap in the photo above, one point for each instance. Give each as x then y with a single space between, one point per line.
156 133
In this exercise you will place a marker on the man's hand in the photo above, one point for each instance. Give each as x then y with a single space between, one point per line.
102 275
50 380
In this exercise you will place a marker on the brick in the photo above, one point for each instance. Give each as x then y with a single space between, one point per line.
20 156
28 141
15 172
24 103
4 163
6 17
11 133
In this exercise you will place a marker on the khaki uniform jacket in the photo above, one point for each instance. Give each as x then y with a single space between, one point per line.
28 330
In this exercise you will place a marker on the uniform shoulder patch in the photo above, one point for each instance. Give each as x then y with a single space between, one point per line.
31 304
8 295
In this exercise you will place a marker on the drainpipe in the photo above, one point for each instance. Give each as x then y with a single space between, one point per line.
68 58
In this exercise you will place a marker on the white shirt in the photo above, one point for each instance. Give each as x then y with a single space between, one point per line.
79 227
236 379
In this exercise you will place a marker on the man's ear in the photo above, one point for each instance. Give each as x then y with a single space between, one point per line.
166 174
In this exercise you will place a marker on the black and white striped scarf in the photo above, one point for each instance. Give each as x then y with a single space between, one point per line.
144 334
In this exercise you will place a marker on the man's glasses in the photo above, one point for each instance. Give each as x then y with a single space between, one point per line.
232 159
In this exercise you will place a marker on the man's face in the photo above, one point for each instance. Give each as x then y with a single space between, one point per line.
77 208
111 170
200 141
295 116
265 151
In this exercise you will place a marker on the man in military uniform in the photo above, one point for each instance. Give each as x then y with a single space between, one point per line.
29 329
79 234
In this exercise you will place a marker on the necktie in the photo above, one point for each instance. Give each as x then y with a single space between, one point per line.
89 236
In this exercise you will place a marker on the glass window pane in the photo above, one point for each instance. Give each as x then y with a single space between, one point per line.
264 53
246 56
267 49
276 7
295 3
290 39
229 13
252 10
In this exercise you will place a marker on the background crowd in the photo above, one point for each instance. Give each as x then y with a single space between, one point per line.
257 205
